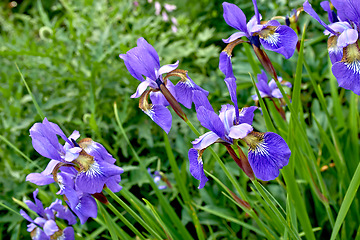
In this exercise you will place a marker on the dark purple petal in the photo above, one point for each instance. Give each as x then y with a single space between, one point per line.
240 131
348 75
39 179
50 227
227 115
311 12
196 167
205 140
268 153
211 121
200 99
231 84
348 10
225 65
234 16
331 15
86 208
63 212
247 115
257 14
161 116
93 179
68 233
283 40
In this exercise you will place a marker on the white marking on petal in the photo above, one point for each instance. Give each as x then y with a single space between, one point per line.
94 170
354 67
273 39
150 112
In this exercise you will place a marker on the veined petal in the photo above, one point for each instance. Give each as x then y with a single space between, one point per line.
348 10
63 212
211 121
227 115
96 150
56 130
184 93
247 115
234 16
234 36
349 36
282 40
168 68
240 131
205 140
268 153
161 116
85 208
347 71
196 167
308 8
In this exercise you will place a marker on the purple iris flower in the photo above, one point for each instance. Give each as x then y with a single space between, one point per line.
157 179
269 90
87 173
343 39
44 226
143 61
271 35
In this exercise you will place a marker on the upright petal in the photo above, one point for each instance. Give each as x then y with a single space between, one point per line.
349 36
234 16
225 64
39 179
227 115
231 84
331 14
308 8
247 115
211 121
268 153
348 10
196 167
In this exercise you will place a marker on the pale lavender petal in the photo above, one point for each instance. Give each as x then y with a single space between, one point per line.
168 68
349 36
205 140
50 227
276 93
234 36
157 8
228 116
211 121
268 155
40 235
282 41
251 24
169 7
140 89
39 179
196 167
161 116
234 16
165 17
50 167
240 131
72 154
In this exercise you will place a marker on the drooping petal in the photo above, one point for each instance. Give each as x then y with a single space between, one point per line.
240 131
247 115
196 167
308 8
93 178
234 36
141 88
335 53
63 212
161 116
25 215
56 129
199 98
113 183
86 208
282 40
39 179
347 73
349 36
205 140
262 84
268 153
234 16
211 121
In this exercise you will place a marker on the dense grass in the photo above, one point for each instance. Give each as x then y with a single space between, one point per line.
67 52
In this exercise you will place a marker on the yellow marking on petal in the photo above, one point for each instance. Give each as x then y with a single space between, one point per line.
270 35
255 141
85 161
351 53
143 101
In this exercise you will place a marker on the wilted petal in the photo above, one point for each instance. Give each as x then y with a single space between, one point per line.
161 116
282 40
234 16
268 153
240 131
211 121
205 140
196 167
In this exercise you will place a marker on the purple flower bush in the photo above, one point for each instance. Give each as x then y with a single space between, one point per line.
81 169
44 226
343 45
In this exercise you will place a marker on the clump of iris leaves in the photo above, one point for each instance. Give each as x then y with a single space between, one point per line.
68 52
